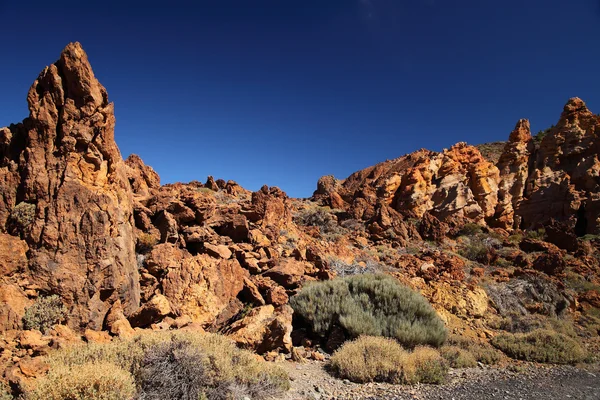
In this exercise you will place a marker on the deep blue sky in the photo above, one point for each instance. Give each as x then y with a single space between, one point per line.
283 91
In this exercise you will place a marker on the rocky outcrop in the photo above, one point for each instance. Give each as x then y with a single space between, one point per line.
67 195
565 181
531 185
514 165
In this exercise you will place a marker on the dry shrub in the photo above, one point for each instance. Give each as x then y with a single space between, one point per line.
203 362
145 242
90 381
457 357
425 365
374 305
378 359
542 346
481 351
5 392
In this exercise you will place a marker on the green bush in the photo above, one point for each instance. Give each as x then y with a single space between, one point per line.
378 359
540 346
172 365
91 381
539 234
471 229
320 217
22 215
374 305
457 357
44 313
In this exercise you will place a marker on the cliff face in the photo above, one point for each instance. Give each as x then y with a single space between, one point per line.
65 193
527 188
564 180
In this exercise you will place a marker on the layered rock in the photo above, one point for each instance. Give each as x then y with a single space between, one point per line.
67 195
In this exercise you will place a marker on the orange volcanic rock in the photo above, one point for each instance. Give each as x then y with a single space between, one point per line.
565 180
514 166
63 168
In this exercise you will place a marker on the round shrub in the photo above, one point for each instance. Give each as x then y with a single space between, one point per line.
426 365
91 381
379 359
542 346
370 304
44 313
457 357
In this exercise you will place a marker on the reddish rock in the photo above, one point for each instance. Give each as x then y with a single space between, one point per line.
217 251
66 164
288 273
264 329
151 312
13 303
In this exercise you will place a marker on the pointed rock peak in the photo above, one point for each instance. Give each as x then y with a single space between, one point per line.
522 132
79 81
575 106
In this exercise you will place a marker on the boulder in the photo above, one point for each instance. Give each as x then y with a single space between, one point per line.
264 329
151 312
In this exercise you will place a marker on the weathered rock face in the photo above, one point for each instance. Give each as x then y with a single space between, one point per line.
456 183
514 166
532 184
565 182
66 189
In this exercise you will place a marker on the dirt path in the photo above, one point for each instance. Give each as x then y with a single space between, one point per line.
311 381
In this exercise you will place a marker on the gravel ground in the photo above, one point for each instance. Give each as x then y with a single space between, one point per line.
311 382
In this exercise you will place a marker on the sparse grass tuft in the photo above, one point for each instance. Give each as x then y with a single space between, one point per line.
377 359
375 305
540 346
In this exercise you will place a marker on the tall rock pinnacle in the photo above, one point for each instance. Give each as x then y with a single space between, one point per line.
63 166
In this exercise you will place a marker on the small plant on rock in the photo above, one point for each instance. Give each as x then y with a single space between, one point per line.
44 313
145 242
21 216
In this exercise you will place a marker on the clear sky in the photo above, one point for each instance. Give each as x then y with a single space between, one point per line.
281 92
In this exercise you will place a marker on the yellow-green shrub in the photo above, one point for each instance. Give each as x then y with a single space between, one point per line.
370 304
482 351
425 365
379 359
90 381
225 365
541 346
457 357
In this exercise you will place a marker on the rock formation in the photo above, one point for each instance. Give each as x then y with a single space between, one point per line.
66 194
125 253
